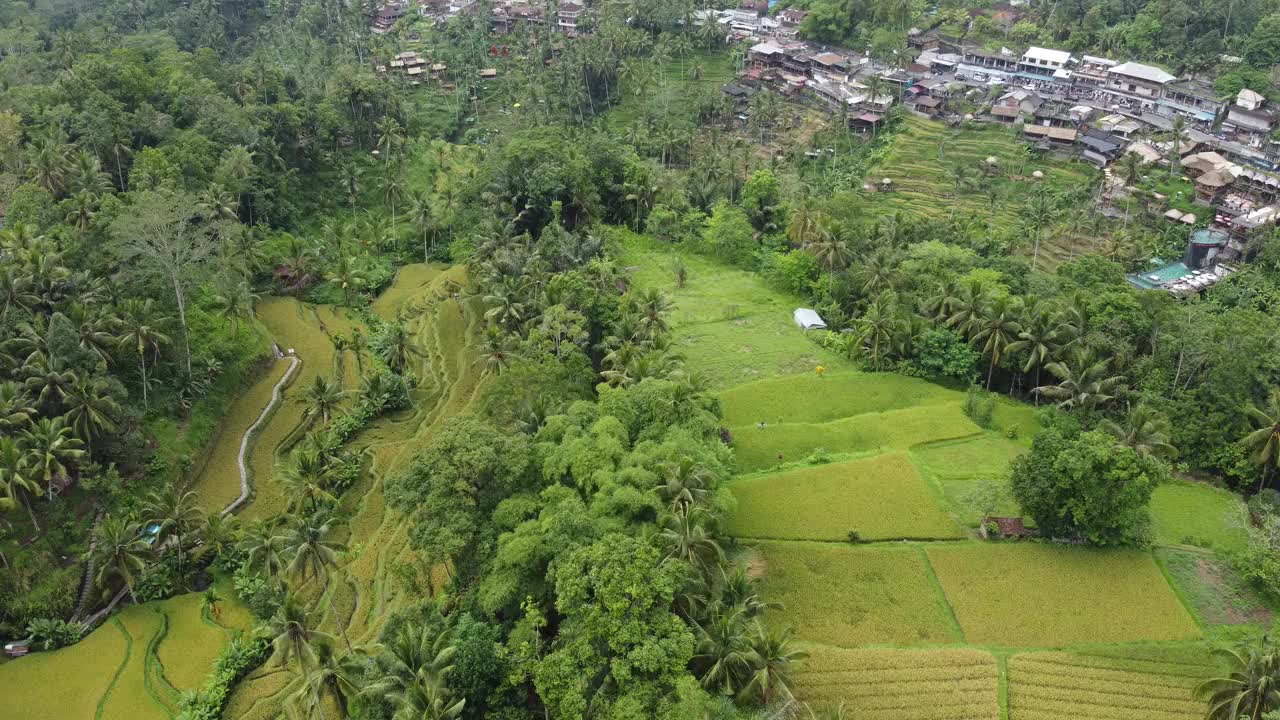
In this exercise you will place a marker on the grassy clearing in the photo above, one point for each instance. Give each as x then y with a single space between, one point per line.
675 89
65 684
130 697
759 448
1186 513
1048 686
850 596
1213 589
919 161
1040 595
960 468
729 325
814 399
887 684
881 498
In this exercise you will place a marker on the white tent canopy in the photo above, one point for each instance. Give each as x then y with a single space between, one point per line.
807 319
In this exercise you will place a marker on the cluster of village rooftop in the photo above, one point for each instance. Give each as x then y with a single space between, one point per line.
506 14
1090 107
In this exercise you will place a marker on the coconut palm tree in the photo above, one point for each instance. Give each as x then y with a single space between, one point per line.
1264 441
417 654
90 409
220 535
292 637
16 479
312 550
15 408
1040 336
499 350
685 537
996 330
209 603
176 510
50 449
832 253
348 277
1146 430
1082 381
321 398
263 549
876 329
16 290
964 311
305 478
775 655
141 330
683 484
393 190
723 658
236 302
1251 687
120 554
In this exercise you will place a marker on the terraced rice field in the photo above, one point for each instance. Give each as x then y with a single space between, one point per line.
730 326
849 596
1033 595
870 433
881 498
919 162
445 331
810 398
1055 686
892 684
960 469
118 672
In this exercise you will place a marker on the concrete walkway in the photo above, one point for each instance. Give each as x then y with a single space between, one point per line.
294 363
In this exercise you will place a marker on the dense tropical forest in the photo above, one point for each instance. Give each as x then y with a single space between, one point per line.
324 394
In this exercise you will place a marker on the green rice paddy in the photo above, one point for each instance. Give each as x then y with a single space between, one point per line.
1033 595
1186 513
851 596
880 498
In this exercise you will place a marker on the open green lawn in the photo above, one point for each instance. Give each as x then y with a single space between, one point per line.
759 448
880 497
963 469
730 326
1125 685
850 596
814 399
1023 594
893 684
919 163
1187 513
1213 589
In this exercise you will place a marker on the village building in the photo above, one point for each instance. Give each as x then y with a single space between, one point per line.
1199 269
1044 61
567 16
1193 99
1101 148
388 15
1143 81
1092 71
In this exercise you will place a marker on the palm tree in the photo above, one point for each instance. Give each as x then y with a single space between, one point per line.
219 205
422 214
15 408
428 699
390 137
1130 168
774 657
876 329
417 656
292 636
1264 441
236 303
90 409
832 253
16 290
321 398
312 550
121 554
1040 336
16 480
996 330
141 330
684 484
348 276
176 511
499 349
1041 210
965 310
305 478
263 549
1251 688
1175 154
50 448
506 302
350 175
393 190
686 537
1146 430
1082 382
221 533
723 658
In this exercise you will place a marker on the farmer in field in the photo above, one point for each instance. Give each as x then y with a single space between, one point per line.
820 370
